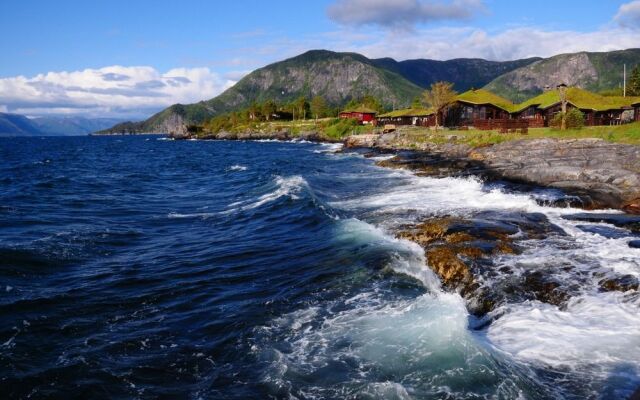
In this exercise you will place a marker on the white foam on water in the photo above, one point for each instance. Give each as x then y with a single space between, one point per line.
290 186
595 333
408 257
174 215
593 336
237 167
420 340
329 147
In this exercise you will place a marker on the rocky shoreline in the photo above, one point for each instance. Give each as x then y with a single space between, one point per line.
462 251
600 174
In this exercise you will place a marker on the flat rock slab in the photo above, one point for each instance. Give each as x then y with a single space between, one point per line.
627 221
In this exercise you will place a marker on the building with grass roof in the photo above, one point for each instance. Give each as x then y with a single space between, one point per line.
363 114
409 117
597 109
476 105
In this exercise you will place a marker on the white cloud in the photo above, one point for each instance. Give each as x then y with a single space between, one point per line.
114 91
628 15
516 43
401 13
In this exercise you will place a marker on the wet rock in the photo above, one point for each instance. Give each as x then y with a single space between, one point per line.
445 263
620 284
634 244
609 233
462 252
631 222
609 174
227 136
544 289
599 174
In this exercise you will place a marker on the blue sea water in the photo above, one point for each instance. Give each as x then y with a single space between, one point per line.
138 267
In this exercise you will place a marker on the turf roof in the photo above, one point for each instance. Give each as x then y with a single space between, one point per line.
579 98
481 96
408 112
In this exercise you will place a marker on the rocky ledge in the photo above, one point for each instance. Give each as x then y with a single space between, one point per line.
463 252
601 174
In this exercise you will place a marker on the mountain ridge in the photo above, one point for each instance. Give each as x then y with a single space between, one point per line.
340 77
593 71
19 125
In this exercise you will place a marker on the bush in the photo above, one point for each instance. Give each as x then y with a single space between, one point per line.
575 119
338 128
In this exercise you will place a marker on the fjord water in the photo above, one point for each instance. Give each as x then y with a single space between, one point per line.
136 267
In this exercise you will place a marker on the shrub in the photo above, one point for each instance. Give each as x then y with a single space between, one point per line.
575 119
341 127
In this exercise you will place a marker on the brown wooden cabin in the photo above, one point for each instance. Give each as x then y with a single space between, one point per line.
533 115
636 111
591 117
597 110
408 117
477 108
363 114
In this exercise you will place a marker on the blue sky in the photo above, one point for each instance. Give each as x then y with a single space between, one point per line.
52 48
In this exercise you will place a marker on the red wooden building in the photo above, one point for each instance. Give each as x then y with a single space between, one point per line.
363 114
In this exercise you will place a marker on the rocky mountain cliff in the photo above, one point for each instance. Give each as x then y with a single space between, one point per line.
591 71
465 73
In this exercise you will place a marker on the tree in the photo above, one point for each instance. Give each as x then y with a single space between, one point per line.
253 111
574 119
440 96
301 107
634 82
318 107
268 108
417 103
562 90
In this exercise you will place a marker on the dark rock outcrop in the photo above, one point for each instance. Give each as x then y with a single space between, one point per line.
461 252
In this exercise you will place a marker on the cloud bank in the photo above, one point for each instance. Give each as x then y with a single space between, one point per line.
115 91
396 13
511 44
628 15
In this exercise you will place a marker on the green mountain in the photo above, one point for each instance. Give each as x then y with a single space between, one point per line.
338 77
590 71
464 73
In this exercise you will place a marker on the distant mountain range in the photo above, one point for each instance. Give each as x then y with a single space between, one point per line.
19 125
